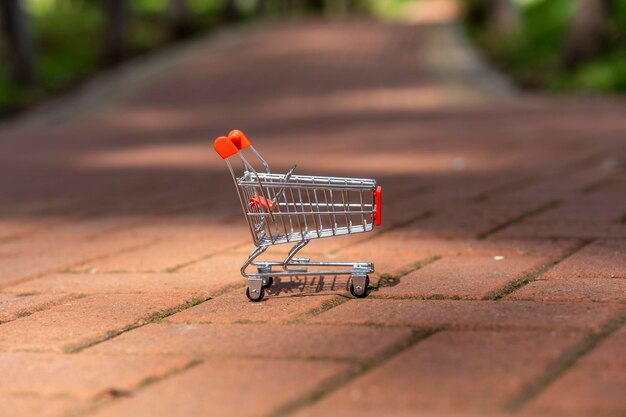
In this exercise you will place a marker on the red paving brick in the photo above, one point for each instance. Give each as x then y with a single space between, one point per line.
473 220
215 388
28 259
590 229
576 289
403 241
40 407
79 322
600 259
398 252
349 410
295 341
577 210
471 314
11 229
586 390
223 264
172 253
610 352
463 277
232 308
473 371
13 306
595 385
81 376
96 283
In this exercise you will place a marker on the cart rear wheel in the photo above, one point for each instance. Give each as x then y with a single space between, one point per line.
365 290
255 297
268 282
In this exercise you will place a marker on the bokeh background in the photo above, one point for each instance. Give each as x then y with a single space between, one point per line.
50 46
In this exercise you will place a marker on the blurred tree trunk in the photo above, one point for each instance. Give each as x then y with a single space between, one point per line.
231 11
116 29
355 6
180 18
587 31
292 7
19 40
316 6
503 18
262 8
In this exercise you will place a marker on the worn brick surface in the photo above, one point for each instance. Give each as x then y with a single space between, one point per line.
28 406
590 289
216 388
348 410
172 253
400 251
594 386
471 220
477 370
589 229
96 283
587 390
600 259
463 277
222 264
27 259
479 314
82 376
610 352
577 210
404 241
79 322
255 340
13 306
228 308
12 229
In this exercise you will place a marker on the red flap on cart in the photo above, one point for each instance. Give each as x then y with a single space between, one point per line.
256 200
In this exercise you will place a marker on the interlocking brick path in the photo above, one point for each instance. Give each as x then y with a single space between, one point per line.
500 282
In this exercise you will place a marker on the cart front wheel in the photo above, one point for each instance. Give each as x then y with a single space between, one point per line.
268 282
360 292
255 297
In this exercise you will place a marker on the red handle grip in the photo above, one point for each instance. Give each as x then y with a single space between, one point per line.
228 146
378 203
224 147
239 139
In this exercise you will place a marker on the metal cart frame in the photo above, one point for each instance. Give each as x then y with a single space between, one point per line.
288 208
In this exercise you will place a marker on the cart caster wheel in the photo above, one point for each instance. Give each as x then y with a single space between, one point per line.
268 282
255 297
365 291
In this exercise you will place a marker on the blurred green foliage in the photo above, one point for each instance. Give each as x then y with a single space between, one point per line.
533 56
68 35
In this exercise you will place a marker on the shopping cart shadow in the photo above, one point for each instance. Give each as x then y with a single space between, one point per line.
309 285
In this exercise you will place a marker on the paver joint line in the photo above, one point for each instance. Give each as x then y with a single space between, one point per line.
516 285
528 214
113 396
565 362
151 319
330 386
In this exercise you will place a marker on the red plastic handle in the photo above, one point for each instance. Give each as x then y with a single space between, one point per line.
257 200
224 147
378 203
238 138
228 146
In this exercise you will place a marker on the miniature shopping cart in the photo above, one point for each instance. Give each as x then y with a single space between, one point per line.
288 208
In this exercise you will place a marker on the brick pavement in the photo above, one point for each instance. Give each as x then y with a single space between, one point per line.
500 283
